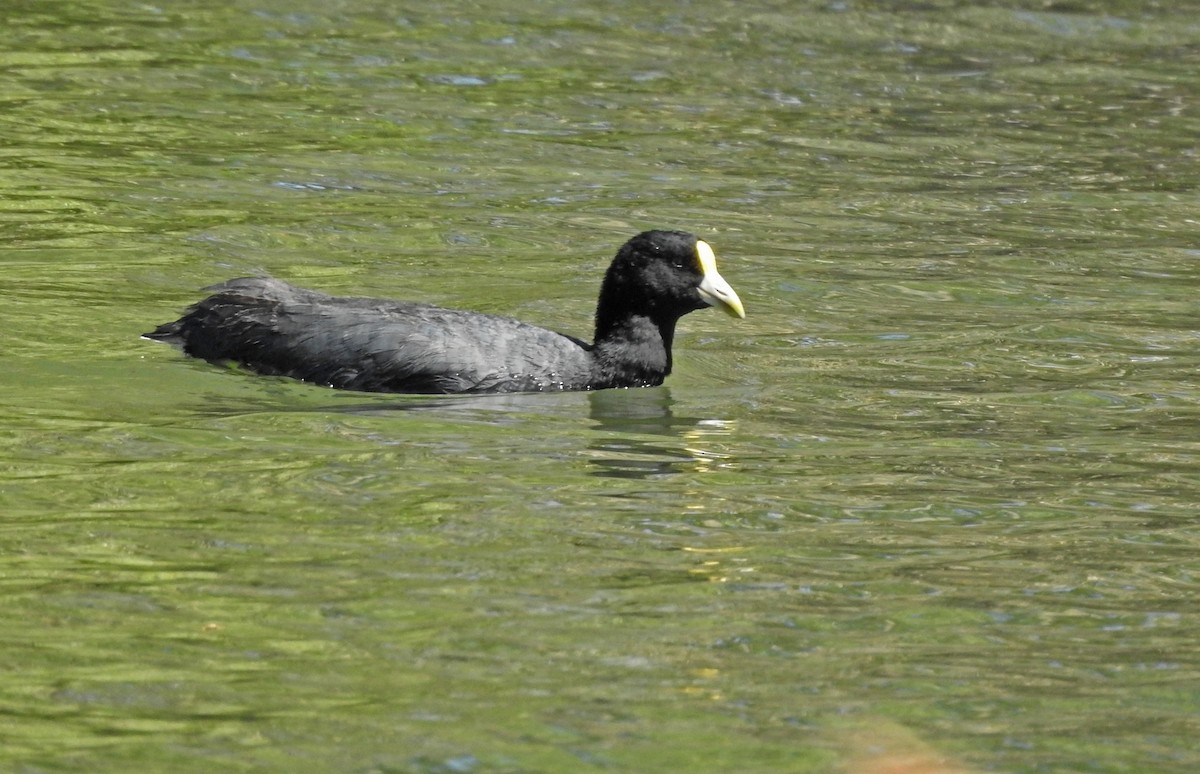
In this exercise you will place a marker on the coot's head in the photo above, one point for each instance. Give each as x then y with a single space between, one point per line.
664 275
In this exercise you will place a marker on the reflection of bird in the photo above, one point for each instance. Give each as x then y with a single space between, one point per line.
400 346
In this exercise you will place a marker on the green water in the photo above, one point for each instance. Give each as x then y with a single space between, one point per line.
944 477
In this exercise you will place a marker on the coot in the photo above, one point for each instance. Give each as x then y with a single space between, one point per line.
378 345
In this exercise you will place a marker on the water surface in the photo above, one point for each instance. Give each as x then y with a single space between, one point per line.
942 479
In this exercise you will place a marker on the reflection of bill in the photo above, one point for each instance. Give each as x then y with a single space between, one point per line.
643 437
879 746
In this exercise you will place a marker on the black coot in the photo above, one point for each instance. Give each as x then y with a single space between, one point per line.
378 345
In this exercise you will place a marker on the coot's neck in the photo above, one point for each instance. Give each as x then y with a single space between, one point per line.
634 350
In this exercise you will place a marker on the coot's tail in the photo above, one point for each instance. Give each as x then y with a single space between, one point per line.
171 333
210 315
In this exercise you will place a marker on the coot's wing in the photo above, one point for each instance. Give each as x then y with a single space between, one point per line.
419 348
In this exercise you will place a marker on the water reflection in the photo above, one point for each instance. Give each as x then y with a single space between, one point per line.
301 397
622 415
633 411
635 434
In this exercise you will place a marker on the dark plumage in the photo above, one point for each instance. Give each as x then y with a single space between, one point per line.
378 345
